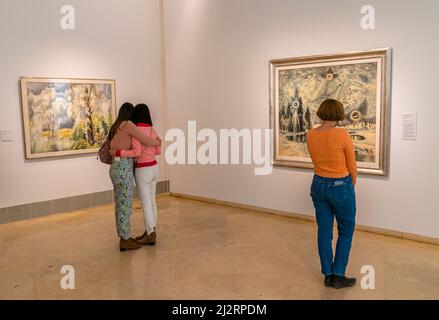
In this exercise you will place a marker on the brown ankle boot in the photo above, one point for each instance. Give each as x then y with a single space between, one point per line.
129 244
141 237
148 240
145 234
153 235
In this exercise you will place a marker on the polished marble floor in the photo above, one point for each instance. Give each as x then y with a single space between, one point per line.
204 251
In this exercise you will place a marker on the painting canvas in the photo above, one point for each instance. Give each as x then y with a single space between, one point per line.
360 80
66 116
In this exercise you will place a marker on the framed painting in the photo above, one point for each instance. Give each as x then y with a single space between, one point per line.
360 80
66 116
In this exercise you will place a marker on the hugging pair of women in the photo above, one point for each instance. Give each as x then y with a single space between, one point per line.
134 145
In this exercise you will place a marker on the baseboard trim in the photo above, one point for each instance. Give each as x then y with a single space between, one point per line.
303 217
45 208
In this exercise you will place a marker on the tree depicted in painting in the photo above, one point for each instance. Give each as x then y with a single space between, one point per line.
294 119
88 91
308 121
91 121
43 123
83 100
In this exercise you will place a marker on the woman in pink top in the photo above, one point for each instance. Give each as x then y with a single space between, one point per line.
121 172
146 171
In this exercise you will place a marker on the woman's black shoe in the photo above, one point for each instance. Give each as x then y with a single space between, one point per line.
328 281
342 282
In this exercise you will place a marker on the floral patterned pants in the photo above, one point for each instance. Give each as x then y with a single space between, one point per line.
121 173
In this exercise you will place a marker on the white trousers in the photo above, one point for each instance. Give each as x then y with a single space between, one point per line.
146 182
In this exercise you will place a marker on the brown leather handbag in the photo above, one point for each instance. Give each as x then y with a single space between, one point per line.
104 153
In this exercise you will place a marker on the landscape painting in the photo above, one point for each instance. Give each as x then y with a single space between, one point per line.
66 116
361 81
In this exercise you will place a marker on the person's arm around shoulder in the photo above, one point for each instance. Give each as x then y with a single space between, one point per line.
349 151
154 135
139 135
134 152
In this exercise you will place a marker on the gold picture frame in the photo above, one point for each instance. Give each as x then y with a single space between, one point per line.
66 116
360 80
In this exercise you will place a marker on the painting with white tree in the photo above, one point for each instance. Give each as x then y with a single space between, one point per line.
361 81
66 116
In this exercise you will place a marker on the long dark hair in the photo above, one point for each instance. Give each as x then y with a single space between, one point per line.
141 114
125 114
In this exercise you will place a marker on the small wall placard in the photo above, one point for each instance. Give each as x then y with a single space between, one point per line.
6 135
409 126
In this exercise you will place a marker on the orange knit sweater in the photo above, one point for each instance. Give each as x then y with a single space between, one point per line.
332 153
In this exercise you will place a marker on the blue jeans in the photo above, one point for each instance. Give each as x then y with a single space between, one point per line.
334 197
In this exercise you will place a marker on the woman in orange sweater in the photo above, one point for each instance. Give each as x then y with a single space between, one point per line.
332 191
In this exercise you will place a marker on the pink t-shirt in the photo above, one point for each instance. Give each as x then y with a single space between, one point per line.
145 154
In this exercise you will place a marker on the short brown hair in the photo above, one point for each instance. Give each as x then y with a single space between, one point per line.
331 110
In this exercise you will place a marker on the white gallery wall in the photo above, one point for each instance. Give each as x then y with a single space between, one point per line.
217 54
113 39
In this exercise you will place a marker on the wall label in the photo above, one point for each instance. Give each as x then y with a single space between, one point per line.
409 126
6 135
